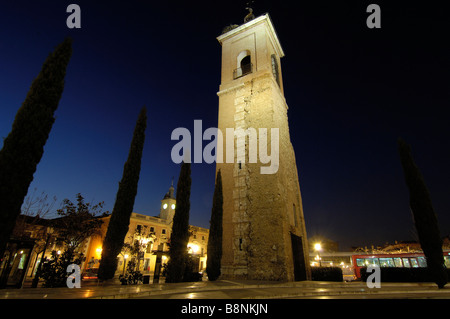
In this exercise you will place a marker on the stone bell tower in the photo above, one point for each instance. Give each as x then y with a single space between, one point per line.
264 236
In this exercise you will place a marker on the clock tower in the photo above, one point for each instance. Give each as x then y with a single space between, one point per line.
264 235
168 203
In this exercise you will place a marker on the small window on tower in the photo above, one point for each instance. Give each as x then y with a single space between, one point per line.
244 64
295 215
275 69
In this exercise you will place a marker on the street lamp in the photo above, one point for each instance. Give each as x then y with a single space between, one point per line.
193 248
318 248
35 282
124 262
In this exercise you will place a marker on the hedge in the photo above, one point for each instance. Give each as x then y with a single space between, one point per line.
326 274
402 274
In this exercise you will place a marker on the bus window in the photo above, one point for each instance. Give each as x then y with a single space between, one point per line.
406 262
447 261
360 262
386 262
422 262
372 261
414 263
398 262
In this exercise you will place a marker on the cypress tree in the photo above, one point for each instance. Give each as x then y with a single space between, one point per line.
24 146
179 239
123 206
213 262
424 216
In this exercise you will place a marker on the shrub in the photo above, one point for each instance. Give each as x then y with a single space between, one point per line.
326 274
54 270
132 276
402 274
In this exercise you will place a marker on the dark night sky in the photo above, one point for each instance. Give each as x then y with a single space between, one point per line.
351 92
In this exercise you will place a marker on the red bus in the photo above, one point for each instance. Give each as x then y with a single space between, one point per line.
407 260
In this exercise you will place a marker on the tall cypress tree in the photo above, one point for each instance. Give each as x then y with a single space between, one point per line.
425 218
123 207
179 239
213 262
24 146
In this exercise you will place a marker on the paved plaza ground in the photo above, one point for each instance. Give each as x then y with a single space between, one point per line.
224 299
224 289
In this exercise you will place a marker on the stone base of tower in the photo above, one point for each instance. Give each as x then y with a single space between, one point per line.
243 273
234 273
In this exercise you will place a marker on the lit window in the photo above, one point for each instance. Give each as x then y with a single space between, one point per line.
398 262
406 263
386 262
447 261
360 262
372 261
414 263
422 262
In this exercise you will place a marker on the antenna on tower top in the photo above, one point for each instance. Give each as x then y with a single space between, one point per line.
250 16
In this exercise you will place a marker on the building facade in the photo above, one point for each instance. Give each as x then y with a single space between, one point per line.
152 233
35 237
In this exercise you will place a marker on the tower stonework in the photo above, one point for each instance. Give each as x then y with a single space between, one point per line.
264 235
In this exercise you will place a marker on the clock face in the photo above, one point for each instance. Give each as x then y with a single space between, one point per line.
165 206
173 206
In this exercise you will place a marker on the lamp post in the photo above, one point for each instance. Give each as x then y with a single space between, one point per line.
124 262
141 254
36 277
318 248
